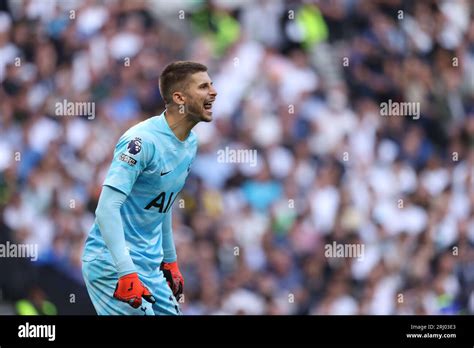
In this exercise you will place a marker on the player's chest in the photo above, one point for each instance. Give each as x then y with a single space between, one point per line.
173 168
165 182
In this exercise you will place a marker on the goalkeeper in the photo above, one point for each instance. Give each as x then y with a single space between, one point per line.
129 260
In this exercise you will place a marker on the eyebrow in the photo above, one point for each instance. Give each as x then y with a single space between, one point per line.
205 83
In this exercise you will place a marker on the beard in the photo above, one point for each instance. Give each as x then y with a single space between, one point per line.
197 112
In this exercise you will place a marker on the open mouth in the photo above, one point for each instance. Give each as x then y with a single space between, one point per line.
208 106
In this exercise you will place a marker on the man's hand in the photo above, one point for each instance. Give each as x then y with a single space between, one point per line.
174 277
131 290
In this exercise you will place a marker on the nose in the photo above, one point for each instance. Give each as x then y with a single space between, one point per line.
213 91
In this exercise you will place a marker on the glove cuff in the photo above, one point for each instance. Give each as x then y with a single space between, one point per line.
172 266
133 275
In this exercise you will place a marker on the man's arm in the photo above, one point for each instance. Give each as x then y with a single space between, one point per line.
132 155
111 228
169 249
169 266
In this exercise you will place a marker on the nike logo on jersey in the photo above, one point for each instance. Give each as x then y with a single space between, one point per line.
164 173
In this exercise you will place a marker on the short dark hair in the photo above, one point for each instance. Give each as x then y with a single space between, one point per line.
175 74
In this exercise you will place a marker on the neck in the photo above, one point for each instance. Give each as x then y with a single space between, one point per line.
179 123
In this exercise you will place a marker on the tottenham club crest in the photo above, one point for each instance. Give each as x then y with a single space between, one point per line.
134 146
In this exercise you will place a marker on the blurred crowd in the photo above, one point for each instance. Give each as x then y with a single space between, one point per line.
301 83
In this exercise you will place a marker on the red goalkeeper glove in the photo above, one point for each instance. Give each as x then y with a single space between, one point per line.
173 276
131 290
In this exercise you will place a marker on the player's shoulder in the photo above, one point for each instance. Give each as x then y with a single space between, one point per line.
142 130
139 137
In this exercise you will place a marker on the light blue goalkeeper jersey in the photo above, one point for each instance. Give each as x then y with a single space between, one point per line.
150 166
